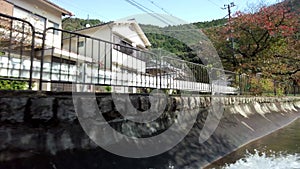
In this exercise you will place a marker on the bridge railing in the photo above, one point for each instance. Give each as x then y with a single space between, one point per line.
89 61
83 63
17 40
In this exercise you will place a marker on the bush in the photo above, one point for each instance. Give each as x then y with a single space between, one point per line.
13 85
108 88
259 86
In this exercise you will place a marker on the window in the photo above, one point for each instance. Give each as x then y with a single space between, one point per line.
126 47
37 21
122 45
80 44
62 60
54 25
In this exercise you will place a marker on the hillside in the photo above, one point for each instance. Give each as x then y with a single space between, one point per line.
208 24
71 24
180 40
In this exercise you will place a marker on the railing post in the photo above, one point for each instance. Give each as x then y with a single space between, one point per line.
31 58
9 48
240 83
161 60
209 70
274 88
156 64
42 60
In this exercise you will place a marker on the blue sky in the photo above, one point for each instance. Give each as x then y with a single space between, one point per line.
187 10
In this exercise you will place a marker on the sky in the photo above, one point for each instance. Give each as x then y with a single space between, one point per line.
188 11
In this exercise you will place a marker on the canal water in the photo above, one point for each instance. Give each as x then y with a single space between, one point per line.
279 150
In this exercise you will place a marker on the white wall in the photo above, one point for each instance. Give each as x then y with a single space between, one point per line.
99 50
128 31
41 9
127 62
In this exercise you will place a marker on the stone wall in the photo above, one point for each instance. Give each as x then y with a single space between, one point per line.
46 122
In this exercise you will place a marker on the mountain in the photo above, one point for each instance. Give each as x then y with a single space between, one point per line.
180 40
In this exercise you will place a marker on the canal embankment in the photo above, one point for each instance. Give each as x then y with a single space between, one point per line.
33 123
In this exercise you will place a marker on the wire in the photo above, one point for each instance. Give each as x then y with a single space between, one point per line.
150 12
152 2
83 10
214 3
164 18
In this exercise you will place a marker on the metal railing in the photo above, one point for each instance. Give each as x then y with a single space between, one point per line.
17 40
64 60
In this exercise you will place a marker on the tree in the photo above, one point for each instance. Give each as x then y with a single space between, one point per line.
282 60
254 35
13 85
265 41
72 24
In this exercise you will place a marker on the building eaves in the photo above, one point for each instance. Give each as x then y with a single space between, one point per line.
139 31
62 10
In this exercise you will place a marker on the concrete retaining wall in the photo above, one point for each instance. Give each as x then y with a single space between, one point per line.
44 122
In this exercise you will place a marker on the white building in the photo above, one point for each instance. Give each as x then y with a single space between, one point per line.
16 36
40 13
104 49
117 46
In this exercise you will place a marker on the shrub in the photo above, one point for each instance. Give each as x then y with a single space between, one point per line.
13 85
259 86
108 88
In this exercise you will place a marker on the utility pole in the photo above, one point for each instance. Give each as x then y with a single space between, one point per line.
228 7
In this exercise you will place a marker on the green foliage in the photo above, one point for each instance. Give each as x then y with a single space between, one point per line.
108 88
280 91
267 85
294 5
13 85
261 86
71 24
255 87
213 23
266 42
172 45
186 41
